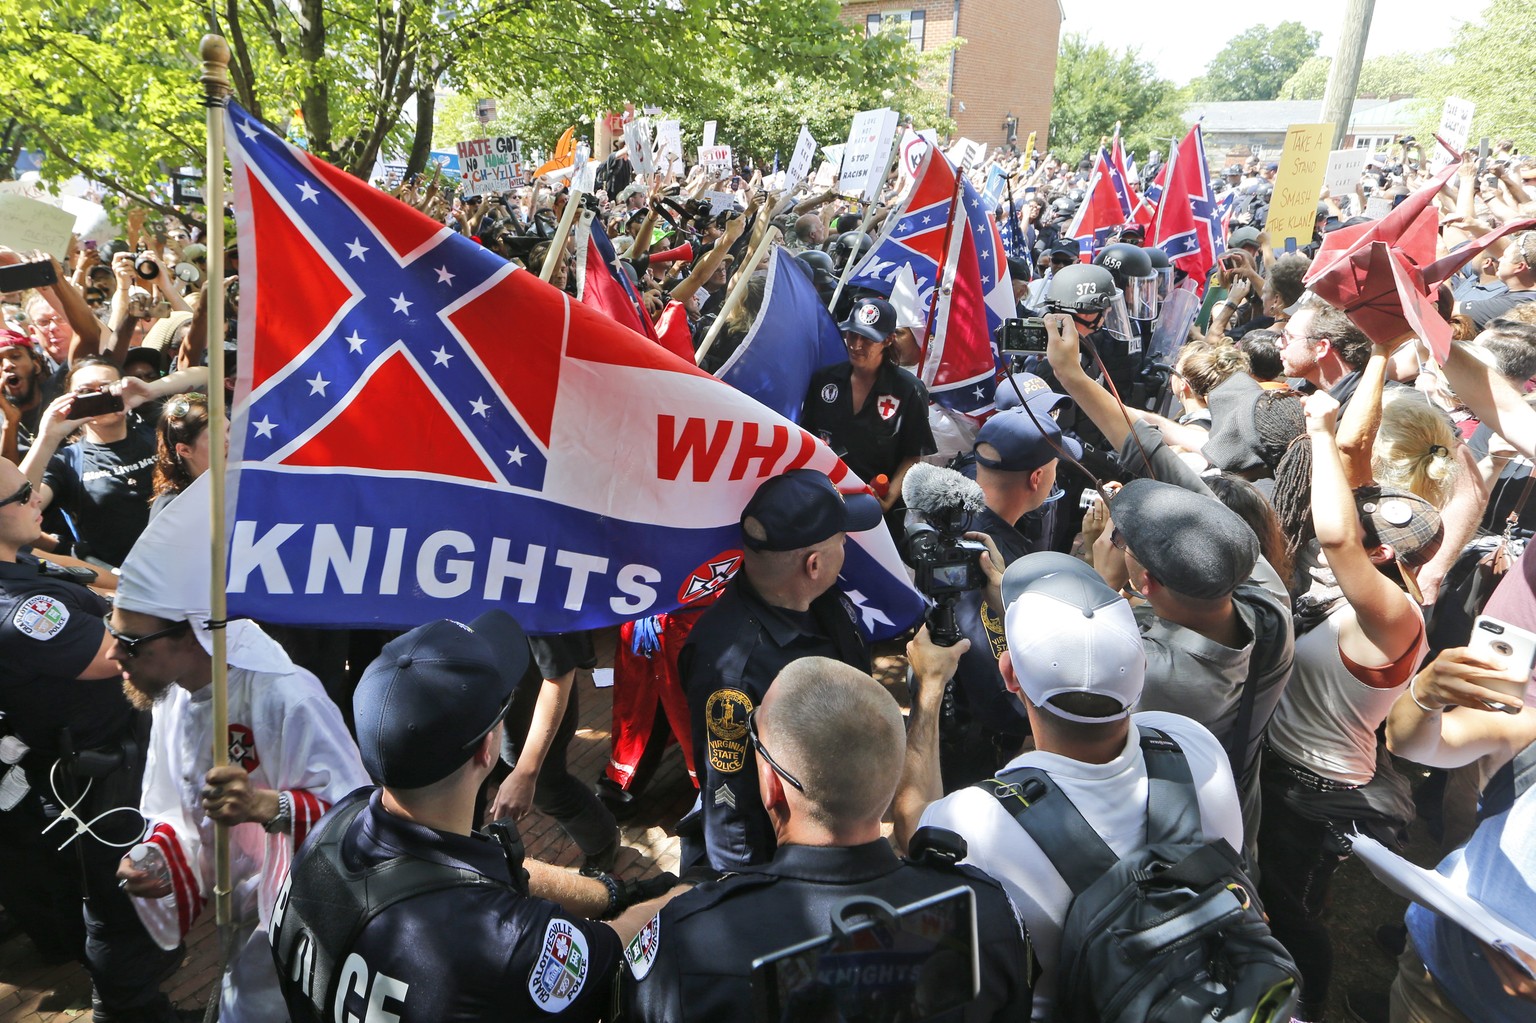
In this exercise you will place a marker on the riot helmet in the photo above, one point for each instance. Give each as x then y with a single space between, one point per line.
1088 294
1132 270
1163 267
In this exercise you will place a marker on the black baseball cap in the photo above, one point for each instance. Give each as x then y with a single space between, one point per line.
435 692
803 507
874 318
1191 543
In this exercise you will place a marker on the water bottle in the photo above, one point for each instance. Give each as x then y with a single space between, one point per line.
149 859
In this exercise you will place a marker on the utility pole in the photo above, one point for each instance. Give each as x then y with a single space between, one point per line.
1344 76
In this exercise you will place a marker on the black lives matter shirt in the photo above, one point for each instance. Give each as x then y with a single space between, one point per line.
104 489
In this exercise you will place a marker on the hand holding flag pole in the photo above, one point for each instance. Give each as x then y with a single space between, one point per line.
557 243
738 292
215 79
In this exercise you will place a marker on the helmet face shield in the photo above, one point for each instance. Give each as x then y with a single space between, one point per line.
1141 298
1164 283
1116 323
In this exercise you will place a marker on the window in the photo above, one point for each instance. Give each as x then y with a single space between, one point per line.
911 21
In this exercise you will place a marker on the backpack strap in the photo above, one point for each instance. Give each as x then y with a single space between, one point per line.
1048 816
1173 810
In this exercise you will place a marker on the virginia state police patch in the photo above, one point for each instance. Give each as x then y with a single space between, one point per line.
561 969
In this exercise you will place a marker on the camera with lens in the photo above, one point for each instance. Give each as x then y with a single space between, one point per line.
146 266
946 565
1021 335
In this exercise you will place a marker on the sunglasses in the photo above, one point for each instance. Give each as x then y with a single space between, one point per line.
757 744
131 644
21 496
860 341
1117 541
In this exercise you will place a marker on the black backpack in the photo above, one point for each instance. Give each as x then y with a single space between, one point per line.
1173 932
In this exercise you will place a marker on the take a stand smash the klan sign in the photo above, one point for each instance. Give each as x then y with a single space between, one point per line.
490 165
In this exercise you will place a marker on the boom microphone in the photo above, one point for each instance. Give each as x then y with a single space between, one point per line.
933 490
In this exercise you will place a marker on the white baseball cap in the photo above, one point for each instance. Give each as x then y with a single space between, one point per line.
1068 632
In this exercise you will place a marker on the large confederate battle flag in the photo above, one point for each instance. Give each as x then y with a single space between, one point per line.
423 430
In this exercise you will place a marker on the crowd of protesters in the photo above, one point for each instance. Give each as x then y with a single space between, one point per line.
1269 557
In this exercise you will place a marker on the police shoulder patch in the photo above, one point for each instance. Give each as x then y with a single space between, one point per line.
640 953
40 616
561 968
725 716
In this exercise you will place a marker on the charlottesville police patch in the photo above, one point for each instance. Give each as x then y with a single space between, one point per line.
561 968
640 953
40 616
725 715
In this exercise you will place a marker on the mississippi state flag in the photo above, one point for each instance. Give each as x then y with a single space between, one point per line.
423 430
959 363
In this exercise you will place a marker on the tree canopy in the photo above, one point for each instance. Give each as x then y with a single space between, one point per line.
1399 74
109 89
1096 87
1489 64
1255 64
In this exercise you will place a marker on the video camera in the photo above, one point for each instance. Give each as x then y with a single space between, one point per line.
940 504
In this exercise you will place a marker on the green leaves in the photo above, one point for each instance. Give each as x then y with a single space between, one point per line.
1255 64
1096 87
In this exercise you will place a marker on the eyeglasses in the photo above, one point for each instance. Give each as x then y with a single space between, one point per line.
21 496
131 644
179 407
859 341
757 744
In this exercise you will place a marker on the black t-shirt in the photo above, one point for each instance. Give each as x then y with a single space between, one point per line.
105 489
891 428
49 387
50 631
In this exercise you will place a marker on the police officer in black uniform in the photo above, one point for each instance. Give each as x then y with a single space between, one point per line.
393 901
782 605
1015 461
75 748
829 742
870 411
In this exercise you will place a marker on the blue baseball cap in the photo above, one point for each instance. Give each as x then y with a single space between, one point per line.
432 694
871 317
1037 395
1022 445
802 508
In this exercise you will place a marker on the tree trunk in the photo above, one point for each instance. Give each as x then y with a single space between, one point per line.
315 99
421 143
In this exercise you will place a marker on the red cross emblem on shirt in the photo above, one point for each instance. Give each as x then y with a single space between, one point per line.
888 406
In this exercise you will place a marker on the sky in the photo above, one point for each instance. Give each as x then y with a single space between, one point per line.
1180 47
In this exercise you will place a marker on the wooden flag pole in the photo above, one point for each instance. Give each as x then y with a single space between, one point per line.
738 292
869 214
557 244
215 79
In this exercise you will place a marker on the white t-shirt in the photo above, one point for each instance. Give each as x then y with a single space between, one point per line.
1112 797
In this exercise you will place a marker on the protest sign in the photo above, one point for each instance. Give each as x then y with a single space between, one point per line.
912 145
27 224
669 140
1455 127
1303 162
91 221
637 140
709 134
584 169
967 153
1029 147
489 165
800 162
868 149
715 159
834 157
720 202
1344 169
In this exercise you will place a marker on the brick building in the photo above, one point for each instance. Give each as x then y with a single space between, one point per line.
1007 65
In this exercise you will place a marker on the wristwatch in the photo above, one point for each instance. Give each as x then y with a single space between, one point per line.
283 819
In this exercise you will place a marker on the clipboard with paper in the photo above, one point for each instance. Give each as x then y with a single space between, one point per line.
1437 892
